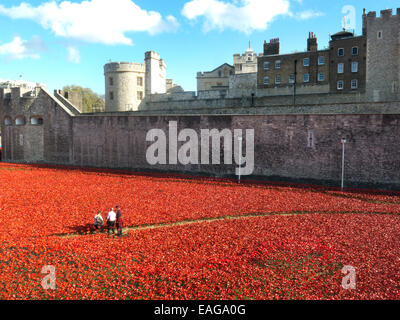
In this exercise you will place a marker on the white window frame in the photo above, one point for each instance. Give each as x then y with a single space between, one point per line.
340 82
356 82
304 62
306 78
338 52
292 78
266 81
267 65
340 70
277 64
321 78
319 60
354 67
278 76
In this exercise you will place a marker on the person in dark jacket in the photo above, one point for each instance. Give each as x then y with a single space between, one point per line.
119 220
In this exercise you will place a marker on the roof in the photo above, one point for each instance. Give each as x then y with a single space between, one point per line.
342 34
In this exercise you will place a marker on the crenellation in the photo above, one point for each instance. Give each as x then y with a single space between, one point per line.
386 13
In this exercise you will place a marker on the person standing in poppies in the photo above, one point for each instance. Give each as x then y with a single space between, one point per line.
111 217
98 220
119 220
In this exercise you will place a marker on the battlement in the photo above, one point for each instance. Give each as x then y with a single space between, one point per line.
152 55
16 93
124 67
384 14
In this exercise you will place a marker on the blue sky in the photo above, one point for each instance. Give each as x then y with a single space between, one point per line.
68 42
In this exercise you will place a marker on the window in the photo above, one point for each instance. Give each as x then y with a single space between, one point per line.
354 51
291 78
321 60
266 81
231 73
354 67
36 121
306 62
340 68
278 64
340 85
111 95
278 79
266 65
111 81
140 81
341 52
20 121
354 84
7 121
219 74
306 77
140 95
380 35
321 76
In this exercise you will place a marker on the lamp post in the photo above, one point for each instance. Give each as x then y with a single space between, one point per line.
240 156
344 141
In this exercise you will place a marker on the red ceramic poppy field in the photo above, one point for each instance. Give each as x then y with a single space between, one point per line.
188 238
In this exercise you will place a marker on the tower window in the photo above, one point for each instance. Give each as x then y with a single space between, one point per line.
354 67
36 121
341 52
7 121
111 95
111 81
140 95
380 35
140 81
20 121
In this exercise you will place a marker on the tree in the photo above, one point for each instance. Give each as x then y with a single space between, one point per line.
91 101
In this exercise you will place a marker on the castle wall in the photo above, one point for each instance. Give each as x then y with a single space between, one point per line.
383 56
296 147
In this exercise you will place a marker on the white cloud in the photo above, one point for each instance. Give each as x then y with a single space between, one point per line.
73 55
240 15
308 14
21 49
95 21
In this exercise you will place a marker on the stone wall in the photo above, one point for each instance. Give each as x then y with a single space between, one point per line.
293 147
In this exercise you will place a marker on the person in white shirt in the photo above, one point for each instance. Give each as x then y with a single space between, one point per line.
111 217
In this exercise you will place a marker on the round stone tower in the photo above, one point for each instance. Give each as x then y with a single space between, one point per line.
125 86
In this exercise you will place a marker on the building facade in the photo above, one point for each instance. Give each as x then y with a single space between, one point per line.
308 70
366 65
217 79
247 62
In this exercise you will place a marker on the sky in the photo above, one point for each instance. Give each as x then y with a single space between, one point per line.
61 43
